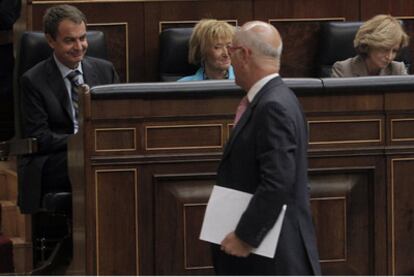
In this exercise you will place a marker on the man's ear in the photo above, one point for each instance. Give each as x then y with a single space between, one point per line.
50 41
245 54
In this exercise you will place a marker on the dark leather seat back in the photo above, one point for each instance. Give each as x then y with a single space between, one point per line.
173 58
336 43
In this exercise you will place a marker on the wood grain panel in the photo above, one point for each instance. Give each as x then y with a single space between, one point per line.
193 220
116 248
370 8
181 208
355 131
402 129
347 103
174 137
167 108
283 9
117 41
402 216
399 101
332 228
298 59
342 208
115 139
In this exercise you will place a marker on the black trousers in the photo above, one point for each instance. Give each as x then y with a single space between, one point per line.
55 176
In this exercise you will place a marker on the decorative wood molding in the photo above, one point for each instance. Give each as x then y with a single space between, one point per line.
97 172
393 127
186 266
379 138
133 140
199 126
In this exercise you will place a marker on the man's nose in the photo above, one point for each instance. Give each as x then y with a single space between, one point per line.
78 44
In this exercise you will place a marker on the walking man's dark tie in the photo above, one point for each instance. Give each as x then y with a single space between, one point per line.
75 81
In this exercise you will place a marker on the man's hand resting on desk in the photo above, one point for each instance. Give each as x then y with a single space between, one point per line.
232 245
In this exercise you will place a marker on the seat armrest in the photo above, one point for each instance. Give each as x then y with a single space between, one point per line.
15 147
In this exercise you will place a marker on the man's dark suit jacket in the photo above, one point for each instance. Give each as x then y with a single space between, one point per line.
266 155
47 116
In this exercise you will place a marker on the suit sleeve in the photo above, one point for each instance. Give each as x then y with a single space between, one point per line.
401 69
35 120
337 70
106 72
276 148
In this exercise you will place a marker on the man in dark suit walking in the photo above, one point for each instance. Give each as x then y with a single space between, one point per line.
49 103
266 155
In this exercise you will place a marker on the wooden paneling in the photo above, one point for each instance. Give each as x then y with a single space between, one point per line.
117 41
165 108
116 248
331 228
344 104
398 8
115 139
180 207
342 206
360 189
362 131
299 56
178 137
401 215
402 129
265 10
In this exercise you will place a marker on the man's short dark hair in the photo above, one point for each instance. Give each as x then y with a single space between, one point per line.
56 14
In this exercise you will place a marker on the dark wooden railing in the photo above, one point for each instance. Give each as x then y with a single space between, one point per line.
144 162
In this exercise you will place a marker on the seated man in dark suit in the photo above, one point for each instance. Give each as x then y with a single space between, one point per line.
49 103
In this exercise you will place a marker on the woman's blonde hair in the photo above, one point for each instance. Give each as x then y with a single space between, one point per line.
206 33
381 31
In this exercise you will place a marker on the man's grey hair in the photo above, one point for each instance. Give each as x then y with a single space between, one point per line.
255 42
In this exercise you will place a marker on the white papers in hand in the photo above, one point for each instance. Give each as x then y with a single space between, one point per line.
223 212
